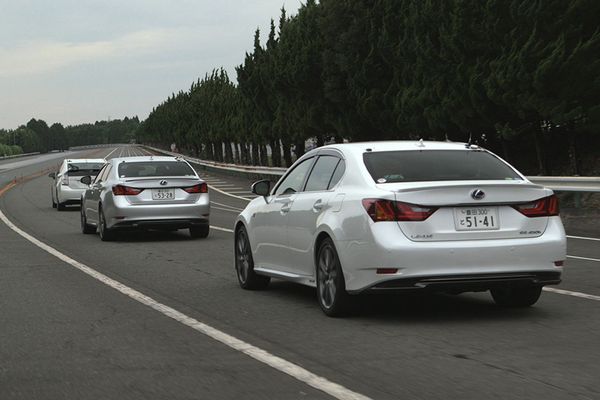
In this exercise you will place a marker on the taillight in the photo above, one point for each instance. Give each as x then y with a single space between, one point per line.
121 190
389 210
65 180
199 188
545 207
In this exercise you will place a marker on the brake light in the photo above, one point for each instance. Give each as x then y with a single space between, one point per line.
545 207
389 210
65 180
121 190
199 188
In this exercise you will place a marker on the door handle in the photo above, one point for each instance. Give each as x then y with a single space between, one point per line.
318 205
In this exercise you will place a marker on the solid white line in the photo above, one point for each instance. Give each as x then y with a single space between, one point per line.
227 194
108 155
583 238
584 258
228 186
224 209
333 389
227 205
574 294
218 228
241 192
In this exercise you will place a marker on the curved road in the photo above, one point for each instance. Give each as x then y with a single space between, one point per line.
66 335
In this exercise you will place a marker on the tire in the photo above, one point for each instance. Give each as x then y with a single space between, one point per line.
85 227
244 264
516 296
199 232
106 234
331 287
60 207
53 202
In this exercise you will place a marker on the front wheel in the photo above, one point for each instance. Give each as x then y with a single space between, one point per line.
85 227
331 287
244 264
106 234
516 296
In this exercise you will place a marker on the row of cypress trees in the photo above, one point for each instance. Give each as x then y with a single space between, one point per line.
521 77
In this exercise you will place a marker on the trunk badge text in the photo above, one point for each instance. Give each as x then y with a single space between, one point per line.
163 183
477 194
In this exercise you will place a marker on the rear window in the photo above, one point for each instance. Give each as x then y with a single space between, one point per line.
154 168
436 165
83 169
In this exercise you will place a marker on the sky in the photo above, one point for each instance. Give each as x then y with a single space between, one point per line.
78 61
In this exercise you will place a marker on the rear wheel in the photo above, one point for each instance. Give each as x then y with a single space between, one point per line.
106 234
199 232
516 296
85 227
60 206
331 287
244 264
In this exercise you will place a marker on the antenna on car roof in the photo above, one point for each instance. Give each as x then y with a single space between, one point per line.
470 142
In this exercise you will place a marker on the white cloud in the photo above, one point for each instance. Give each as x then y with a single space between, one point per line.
46 56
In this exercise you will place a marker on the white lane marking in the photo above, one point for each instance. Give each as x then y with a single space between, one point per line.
228 186
583 238
227 194
218 228
584 258
108 155
303 375
227 205
570 293
224 209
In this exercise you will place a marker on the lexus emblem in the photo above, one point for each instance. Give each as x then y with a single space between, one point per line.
163 183
477 194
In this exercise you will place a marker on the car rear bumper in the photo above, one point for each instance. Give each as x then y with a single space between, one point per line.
165 224
451 265
67 195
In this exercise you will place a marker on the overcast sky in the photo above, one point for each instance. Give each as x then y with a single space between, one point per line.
75 61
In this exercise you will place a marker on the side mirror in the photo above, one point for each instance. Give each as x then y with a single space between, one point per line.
52 175
261 188
86 180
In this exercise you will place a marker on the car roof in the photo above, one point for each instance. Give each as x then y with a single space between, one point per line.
358 148
85 160
145 158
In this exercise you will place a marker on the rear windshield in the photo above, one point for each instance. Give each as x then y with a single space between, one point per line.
154 168
83 169
436 165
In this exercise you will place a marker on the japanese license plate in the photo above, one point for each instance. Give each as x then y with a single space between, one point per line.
476 218
163 194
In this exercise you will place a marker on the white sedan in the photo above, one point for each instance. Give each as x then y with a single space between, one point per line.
380 216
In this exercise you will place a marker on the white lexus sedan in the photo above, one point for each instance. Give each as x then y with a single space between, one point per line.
402 215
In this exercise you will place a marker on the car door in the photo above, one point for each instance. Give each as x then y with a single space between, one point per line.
268 227
306 210
92 197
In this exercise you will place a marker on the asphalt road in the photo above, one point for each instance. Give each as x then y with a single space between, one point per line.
66 335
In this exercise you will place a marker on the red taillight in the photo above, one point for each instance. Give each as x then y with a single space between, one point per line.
120 190
386 271
199 188
388 210
65 180
546 207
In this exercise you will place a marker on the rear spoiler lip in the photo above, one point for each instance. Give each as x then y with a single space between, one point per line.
155 178
477 184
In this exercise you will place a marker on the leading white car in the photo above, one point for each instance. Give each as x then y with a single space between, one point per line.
382 216
67 188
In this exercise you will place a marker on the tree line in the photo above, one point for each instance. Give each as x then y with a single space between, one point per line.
520 77
37 136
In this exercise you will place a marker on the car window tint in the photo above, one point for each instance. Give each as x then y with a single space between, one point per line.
337 174
321 173
83 169
293 181
140 169
436 165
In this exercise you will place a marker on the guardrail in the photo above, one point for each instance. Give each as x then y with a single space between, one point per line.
557 183
98 146
19 155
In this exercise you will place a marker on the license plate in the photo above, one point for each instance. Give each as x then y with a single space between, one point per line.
163 194
476 218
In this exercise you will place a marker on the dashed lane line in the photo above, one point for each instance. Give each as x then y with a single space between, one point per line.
227 194
301 374
584 258
583 238
227 205
570 293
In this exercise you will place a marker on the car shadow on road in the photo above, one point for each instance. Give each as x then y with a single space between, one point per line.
415 306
